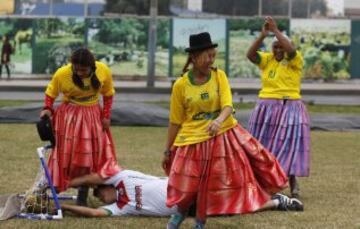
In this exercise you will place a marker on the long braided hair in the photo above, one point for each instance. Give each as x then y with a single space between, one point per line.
84 57
186 66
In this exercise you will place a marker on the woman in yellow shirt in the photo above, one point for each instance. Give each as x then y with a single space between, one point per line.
211 160
84 143
280 120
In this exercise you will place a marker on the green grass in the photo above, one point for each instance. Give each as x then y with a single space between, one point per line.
330 194
12 103
313 109
333 109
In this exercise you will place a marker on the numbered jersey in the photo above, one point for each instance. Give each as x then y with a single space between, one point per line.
139 194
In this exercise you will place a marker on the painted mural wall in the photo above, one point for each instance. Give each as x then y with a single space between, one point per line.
325 45
20 33
44 44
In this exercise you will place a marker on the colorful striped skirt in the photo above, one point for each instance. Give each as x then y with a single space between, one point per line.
230 173
283 127
82 146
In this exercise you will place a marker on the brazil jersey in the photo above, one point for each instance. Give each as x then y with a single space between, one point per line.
62 82
280 80
195 106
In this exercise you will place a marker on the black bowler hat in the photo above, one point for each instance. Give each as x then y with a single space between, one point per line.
45 130
199 42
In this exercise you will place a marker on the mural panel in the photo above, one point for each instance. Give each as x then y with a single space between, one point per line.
182 28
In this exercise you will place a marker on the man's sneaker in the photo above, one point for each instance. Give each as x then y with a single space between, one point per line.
288 204
175 221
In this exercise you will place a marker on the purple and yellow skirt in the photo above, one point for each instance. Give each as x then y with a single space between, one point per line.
283 127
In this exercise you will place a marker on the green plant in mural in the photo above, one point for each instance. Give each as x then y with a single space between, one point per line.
55 39
49 27
326 54
327 66
129 33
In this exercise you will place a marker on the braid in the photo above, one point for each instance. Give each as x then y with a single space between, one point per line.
84 57
188 61
95 82
77 80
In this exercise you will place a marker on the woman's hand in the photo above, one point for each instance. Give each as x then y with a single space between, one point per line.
106 123
265 30
271 24
45 112
165 162
214 127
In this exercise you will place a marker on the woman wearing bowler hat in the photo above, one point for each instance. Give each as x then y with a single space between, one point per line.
213 162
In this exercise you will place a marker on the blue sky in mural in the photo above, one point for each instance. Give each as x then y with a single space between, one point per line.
182 28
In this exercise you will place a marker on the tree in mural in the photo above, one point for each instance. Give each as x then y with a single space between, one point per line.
129 33
49 27
74 27
164 33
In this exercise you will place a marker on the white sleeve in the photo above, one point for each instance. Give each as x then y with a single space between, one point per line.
114 180
114 210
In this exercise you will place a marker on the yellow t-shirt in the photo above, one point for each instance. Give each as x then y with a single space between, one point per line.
280 80
195 106
62 82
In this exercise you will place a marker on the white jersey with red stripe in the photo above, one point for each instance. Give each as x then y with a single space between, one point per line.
139 194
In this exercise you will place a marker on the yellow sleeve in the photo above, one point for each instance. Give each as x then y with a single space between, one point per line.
108 86
224 90
264 58
177 114
53 88
298 61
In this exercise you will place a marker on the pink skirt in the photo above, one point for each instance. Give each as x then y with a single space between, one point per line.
82 146
231 173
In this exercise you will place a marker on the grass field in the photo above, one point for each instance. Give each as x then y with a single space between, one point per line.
330 194
312 108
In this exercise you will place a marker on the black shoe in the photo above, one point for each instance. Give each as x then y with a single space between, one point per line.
288 204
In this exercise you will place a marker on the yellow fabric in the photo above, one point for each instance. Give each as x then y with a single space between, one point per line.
195 106
62 82
280 80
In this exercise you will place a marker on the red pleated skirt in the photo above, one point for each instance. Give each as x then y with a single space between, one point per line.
231 173
82 146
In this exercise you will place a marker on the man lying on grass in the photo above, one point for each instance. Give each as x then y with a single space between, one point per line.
135 193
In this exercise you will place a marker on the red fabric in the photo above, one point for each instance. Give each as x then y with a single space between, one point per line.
108 101
48 103
122 197
82 146
229 174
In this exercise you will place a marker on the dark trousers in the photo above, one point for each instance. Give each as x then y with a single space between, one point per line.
7 70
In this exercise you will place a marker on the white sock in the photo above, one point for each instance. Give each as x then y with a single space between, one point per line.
276 202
